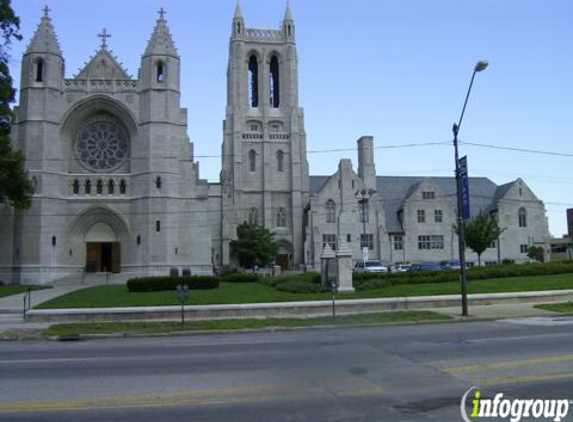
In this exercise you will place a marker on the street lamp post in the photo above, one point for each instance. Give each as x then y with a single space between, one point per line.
364 196
481 65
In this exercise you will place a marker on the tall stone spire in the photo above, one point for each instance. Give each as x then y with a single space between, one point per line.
44 39
288 14
238 11
161 42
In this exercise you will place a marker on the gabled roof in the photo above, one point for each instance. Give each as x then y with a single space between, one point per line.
161 42
502 191
103 66
394 190
44 39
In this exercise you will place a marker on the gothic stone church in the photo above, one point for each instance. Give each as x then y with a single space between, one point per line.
118 190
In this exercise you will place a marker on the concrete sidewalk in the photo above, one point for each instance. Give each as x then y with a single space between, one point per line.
299 309
481 307
14 304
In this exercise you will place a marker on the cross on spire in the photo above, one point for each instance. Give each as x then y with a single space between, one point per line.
46 10
104 35
162 12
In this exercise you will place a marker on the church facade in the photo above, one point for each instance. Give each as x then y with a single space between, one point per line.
118 190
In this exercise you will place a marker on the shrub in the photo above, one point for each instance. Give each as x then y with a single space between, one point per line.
225 270
371 284
240 278
299 286
368 276
309 277
166 283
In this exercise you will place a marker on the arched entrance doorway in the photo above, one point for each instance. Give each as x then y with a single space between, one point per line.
103 251
284 256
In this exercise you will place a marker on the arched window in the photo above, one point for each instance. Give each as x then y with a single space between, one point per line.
99 187
159 75
76 186
252 160
274 86
88 187
330 211
253 81
110 187
253 216
522 217
280 160
158 182
122 186
40 71
281 217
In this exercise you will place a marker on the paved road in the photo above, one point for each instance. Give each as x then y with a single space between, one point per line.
400 373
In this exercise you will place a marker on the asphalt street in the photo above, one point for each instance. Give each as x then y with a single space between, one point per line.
397 373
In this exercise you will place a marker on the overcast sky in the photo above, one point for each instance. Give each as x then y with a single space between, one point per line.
394 69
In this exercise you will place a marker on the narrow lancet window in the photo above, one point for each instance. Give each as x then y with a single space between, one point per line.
274 88
160 74
252 160
280 160
40 70
253 81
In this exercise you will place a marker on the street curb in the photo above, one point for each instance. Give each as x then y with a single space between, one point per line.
290 309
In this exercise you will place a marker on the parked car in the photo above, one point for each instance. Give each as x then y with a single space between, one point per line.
370 266
400 268
452 264
426 266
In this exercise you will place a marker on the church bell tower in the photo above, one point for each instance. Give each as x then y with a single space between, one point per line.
264 173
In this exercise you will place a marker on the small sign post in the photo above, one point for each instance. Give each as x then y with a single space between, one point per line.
182 294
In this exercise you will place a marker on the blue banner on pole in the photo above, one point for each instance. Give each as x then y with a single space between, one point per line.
463 166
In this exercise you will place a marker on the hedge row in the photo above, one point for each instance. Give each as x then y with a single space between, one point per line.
166 283
476 273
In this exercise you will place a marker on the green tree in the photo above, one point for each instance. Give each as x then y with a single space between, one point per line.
536 252
255 245
480 232
14 183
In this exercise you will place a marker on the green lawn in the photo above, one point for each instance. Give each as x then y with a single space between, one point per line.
14 289
237 324
118 296
564 308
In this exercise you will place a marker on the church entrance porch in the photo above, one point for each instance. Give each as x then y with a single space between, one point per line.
103 257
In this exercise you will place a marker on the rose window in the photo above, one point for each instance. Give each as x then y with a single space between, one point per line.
102 145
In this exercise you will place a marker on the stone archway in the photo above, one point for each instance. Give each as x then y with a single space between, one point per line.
103 250
99 231
284 255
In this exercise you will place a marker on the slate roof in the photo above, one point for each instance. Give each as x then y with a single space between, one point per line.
394 190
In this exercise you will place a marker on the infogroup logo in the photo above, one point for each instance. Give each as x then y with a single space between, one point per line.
513 409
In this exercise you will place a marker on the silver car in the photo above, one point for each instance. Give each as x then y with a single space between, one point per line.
370 266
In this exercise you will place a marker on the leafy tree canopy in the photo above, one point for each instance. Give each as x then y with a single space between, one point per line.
536 252
255 245
14 183
480 232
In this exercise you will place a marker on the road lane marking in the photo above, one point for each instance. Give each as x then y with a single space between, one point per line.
347 387
506 365
519 379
